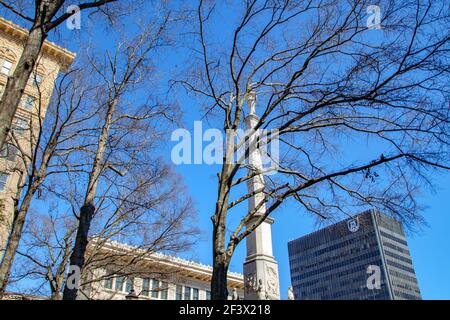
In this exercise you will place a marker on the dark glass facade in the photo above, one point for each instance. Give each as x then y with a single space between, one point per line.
337 262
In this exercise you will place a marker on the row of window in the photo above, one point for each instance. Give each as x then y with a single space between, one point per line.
331 234
399 266
343 278
341 264
7 67
154 288
27 102
119 284
188 293
402 276
303 264
8 152
394 247
406 296
307 251
389 223
398 257
347 293
393 238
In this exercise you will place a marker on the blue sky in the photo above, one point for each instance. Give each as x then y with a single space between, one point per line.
428 243
429 246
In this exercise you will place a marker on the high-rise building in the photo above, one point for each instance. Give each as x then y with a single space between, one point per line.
362 258
35 99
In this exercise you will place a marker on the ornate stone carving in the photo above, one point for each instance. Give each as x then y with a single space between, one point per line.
250 283
235 295
261 291
272 281
291 293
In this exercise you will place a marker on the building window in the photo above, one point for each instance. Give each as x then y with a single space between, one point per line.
179 293
195 294
3 180
6 67
20 125
108 283
37 80
9 152
187 293
145 287
164 290
4 152
28 103
155 288
208 295
119 283
129 285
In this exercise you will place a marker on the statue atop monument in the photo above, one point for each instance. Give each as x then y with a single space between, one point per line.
251 100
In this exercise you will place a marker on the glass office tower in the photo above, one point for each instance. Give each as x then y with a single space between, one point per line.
362 258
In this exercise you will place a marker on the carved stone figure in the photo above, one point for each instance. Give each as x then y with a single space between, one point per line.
291 293
235 295
250 284
261 291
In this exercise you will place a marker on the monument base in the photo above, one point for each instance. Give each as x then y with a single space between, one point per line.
261 278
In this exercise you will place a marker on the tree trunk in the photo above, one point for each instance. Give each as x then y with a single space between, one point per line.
55 296
87 210
78 255
13 241
18 80
219 290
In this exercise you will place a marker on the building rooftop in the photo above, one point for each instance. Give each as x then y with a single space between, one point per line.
64 56
196 269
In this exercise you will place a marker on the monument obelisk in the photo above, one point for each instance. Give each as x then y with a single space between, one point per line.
260 267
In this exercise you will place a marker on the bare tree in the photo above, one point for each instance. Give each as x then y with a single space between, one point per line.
125 132
153 214
140 200
36 150
44 253
46 16
325 75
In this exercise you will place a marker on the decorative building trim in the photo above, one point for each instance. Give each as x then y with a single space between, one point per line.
63 56
186 267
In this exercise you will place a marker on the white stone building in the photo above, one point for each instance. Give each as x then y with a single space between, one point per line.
36 97
153 276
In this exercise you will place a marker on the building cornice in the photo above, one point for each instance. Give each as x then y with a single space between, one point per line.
62 55
188 266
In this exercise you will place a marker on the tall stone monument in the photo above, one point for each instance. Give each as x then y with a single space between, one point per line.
260 268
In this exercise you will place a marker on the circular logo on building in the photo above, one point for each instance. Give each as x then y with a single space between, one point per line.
353 225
